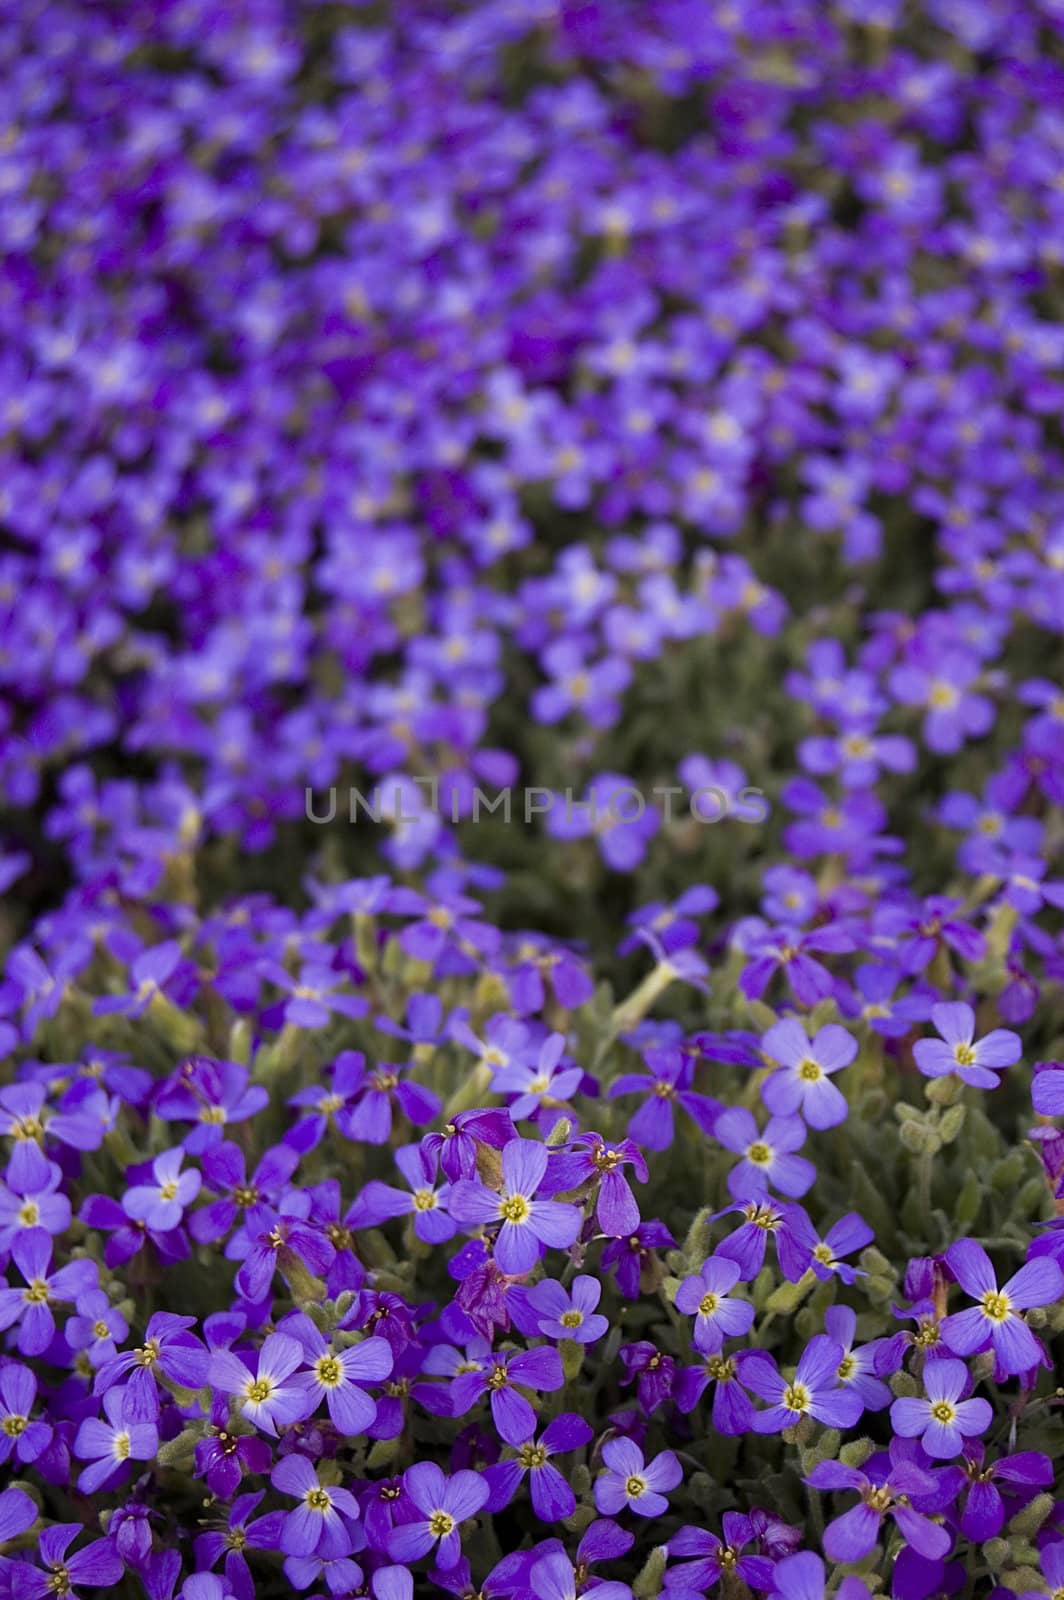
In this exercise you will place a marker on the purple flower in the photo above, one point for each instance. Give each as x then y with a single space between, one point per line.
457 1145
592 1159
367 1114
527 1224
150 971
17 1513
110 1445
439 1506
767 1153
31 1306
996 1320
538 1369
265 1393
942 1420
976 1062
859 1367
168 1348
547 1081
225 1174
615 813
316 1526
571 1314
733 1411
240 1531
1047 1089
850 1233
713 1557
552 1498
814 1390
424 1201
718 1316
20 1435
630 1481
97 1328
554 1577
34 1205
629 1255
803 1083
211 1094
983 1510
282 1239
162 1204
95 1565
763 1218
886 1487
801 1577
669 1085
337 1376
313 999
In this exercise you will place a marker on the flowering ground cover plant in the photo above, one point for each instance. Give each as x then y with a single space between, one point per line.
621 1153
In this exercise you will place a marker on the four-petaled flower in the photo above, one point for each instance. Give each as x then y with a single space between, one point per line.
631 1481
942 1419
996 1321
526 1224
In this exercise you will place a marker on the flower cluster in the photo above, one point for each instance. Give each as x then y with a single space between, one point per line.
613 1198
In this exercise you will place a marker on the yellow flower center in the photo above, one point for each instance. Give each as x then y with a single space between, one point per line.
571 1319
996 1305
441 1523
532 1455
214 1116
846 1368
36 1292
634 1487
515 1208
100 1330
607 1160
760 1154
708 1304
30 1214
943 1411
328 1371
259 1390
809 1070
120 1445
168 1190
722 1368
964 1055
318 1500
13 1426
796 1397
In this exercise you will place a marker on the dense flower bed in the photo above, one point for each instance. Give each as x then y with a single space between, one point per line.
532 744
